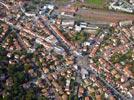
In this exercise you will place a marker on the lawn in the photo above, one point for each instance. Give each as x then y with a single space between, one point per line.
96 2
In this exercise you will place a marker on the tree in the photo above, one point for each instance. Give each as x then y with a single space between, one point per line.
131 69
70 96
79 37
30 95
1 30
30 7
62 81
19 77
42 98
26 67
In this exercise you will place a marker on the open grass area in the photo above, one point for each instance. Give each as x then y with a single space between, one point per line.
99 4
61 1
96 2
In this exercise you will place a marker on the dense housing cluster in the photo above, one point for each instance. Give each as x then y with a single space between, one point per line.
48 53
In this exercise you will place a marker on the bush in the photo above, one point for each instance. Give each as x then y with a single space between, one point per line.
80 37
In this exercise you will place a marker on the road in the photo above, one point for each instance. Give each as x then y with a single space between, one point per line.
47 24
1 3
20 41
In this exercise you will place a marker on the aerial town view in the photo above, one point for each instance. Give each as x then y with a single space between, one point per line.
66 49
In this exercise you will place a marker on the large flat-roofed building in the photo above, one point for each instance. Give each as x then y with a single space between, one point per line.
126 23
122 5
68 22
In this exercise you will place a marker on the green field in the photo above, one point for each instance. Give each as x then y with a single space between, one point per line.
100 4
96 2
